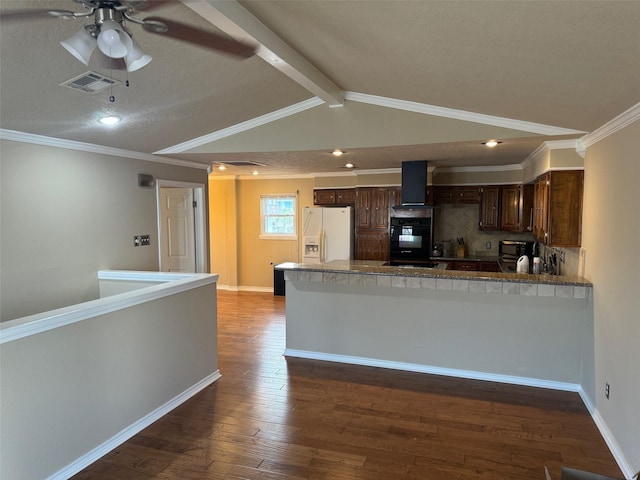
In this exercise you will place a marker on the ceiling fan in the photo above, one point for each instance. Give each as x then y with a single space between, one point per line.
109 34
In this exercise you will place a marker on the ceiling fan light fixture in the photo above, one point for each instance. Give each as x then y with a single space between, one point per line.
113 41
81 45
136 58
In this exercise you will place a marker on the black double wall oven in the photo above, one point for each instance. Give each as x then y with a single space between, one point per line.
411 239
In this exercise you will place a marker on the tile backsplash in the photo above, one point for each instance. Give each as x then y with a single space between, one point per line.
454 221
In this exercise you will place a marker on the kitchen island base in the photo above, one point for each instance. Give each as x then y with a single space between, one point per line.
537 335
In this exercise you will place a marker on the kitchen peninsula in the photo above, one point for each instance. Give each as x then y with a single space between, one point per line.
525 329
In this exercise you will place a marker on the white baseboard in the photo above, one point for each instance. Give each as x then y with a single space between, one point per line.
134 428
449 372
608 436
237 288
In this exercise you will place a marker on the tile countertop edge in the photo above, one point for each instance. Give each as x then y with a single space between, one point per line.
378 268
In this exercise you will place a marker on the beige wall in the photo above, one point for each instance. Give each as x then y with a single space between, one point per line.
65 214
248 261
611 234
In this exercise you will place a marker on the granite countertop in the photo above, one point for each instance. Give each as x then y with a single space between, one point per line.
372 267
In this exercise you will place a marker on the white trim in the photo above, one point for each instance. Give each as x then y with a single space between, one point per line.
546 147
459 114
34 139
449 372
200 226
254 289
142 276
243 127
625 118
41 322
608 436
136 427
489 168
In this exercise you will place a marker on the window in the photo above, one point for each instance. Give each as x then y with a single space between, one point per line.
278 216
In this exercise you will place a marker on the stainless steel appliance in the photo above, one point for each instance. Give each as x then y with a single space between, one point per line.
411 236
511 250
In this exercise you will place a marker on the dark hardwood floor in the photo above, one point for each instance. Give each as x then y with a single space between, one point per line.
271 418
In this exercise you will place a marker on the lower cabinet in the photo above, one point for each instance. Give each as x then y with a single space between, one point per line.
475 266
372 246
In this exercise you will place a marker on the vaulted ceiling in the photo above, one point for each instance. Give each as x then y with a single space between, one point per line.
386 81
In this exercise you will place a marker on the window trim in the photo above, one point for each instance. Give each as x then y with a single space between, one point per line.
279 236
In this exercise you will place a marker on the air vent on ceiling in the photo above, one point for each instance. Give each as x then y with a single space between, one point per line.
91 82
243 163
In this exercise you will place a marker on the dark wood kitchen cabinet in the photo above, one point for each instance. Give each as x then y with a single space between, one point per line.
395 196
463 194
489 208
341 197
516 208
558 208
372 223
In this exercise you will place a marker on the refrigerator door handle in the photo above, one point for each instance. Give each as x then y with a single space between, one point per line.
323 240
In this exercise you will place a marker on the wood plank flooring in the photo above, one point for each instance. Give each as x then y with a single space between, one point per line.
270 418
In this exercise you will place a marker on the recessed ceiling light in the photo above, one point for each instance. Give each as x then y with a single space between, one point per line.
337 152
349 165
110 120
255 172
491 143
221 167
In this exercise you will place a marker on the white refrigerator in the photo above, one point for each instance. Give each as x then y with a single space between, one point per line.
327 234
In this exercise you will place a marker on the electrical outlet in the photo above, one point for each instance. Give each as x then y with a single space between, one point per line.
488 245
607 389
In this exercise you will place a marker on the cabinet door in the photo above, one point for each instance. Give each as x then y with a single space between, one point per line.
467 194
346 197
444 194
372 246
380 216
489 208
324 197
466 266
489 267
457 194
526 209
395 196
564 227
364 204
510 214
540 214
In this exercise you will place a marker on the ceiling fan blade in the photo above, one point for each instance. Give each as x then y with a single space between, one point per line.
197 36
11 15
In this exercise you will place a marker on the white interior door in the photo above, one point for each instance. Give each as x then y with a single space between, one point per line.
177 244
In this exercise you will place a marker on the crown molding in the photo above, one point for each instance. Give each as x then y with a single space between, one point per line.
625 118
478 169
459 114
34 139
546 147
244 126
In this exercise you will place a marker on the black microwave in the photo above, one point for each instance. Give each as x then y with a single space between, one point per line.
514 249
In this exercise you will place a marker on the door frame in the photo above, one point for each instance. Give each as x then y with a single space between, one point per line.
200 221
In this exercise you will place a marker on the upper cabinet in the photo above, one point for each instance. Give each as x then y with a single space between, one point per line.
489 208
463 194
340 197
516 213
508 208
558 208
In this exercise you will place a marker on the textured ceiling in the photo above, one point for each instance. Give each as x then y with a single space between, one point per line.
572 65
